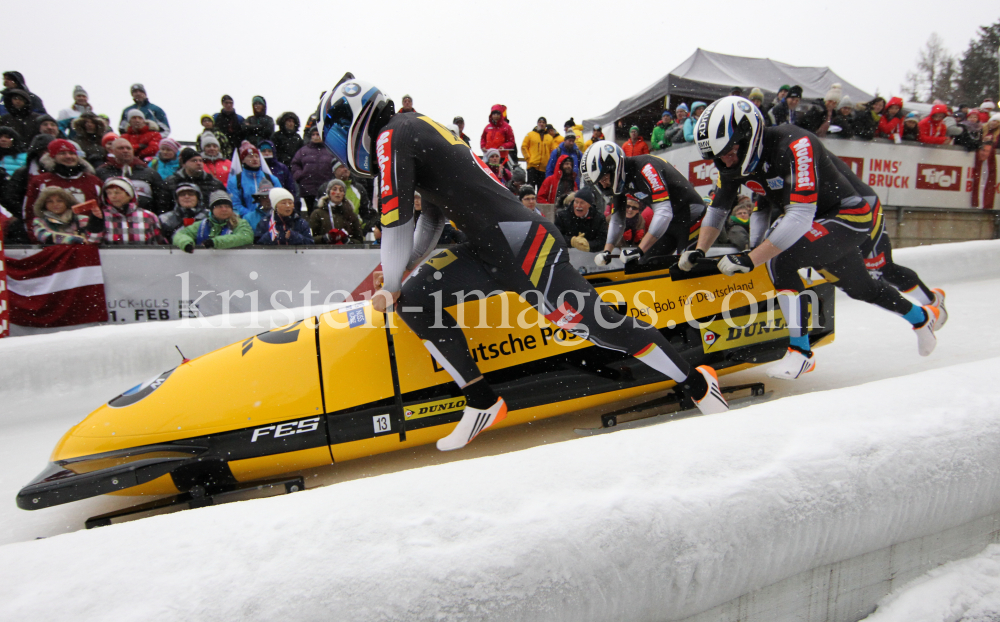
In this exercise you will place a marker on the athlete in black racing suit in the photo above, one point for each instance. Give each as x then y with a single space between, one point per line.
877 252
677 207
509 249
823 223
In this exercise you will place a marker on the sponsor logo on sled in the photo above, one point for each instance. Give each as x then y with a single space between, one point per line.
432 409
288 428
719 335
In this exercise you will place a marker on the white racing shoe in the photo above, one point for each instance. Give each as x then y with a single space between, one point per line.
925 334
473 422
792 365
713 402
939 305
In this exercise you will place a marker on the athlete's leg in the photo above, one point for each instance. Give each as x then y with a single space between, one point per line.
877 253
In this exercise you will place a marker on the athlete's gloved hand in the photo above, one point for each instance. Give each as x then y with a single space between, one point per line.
581 243
602 258
689 259
631 254
738 262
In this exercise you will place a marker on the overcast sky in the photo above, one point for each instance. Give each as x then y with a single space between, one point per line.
557 59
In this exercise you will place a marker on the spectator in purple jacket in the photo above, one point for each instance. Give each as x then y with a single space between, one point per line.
312 167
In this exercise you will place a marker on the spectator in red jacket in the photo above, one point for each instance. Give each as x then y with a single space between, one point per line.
497 134
65 170
560 183
635 145
145 142
891 122
932 128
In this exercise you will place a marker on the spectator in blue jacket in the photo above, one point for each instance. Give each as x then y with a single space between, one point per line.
283 226
149 110
278 169
12 154
249 176
696 109
566 147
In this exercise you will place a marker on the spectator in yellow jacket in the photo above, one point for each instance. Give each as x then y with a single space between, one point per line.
536 148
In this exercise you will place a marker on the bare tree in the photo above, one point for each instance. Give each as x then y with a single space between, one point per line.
935 74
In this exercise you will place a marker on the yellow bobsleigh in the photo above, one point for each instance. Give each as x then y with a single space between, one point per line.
340 386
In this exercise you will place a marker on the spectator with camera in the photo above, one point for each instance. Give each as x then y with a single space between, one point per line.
334 220
222 228
60 218
283 226
125 223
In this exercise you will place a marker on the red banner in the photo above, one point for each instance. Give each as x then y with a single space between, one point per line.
59 286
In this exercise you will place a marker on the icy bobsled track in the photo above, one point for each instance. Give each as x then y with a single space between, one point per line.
852 481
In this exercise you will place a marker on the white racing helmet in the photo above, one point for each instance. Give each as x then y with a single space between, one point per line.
728 121
347 117
603 157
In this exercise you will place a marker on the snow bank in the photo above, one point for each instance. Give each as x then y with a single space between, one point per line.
650 524
968 590
952 263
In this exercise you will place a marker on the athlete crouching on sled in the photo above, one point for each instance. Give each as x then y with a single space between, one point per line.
676 204
824 222
509 249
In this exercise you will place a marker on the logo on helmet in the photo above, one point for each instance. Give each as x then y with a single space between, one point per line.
351 89
609 148
744 106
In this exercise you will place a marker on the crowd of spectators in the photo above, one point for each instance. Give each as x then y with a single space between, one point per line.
251 180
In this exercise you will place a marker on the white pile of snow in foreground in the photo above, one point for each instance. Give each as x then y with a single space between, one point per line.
649 524
966 590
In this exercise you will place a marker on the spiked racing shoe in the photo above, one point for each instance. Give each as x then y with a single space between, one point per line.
926 341
939 305
473 422
792 365
712 402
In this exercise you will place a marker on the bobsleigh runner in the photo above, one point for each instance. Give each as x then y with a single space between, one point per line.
341 386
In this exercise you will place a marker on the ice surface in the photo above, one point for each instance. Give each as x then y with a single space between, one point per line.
966 590
649 524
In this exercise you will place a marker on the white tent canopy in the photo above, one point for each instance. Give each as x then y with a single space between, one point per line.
709 76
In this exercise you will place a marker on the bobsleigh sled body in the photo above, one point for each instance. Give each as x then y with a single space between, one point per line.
340 386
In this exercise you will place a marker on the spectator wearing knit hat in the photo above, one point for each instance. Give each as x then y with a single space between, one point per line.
675 134
229 123
166 161
286 139
80 105
911 127
66 170
778 98
223 228
258 126
518 178
818 118
216 161
356 194
56 223
145 142
192 171
635 145
842 123
407 104
150 190
189 207
209 129
148 109
48 125
493 161
283 226
124 221
334 220
757 97
312 167
583 226
249 175
696 109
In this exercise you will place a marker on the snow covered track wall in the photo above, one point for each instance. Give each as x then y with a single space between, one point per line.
652 524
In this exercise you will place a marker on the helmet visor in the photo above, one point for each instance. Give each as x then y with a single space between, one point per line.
337 127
